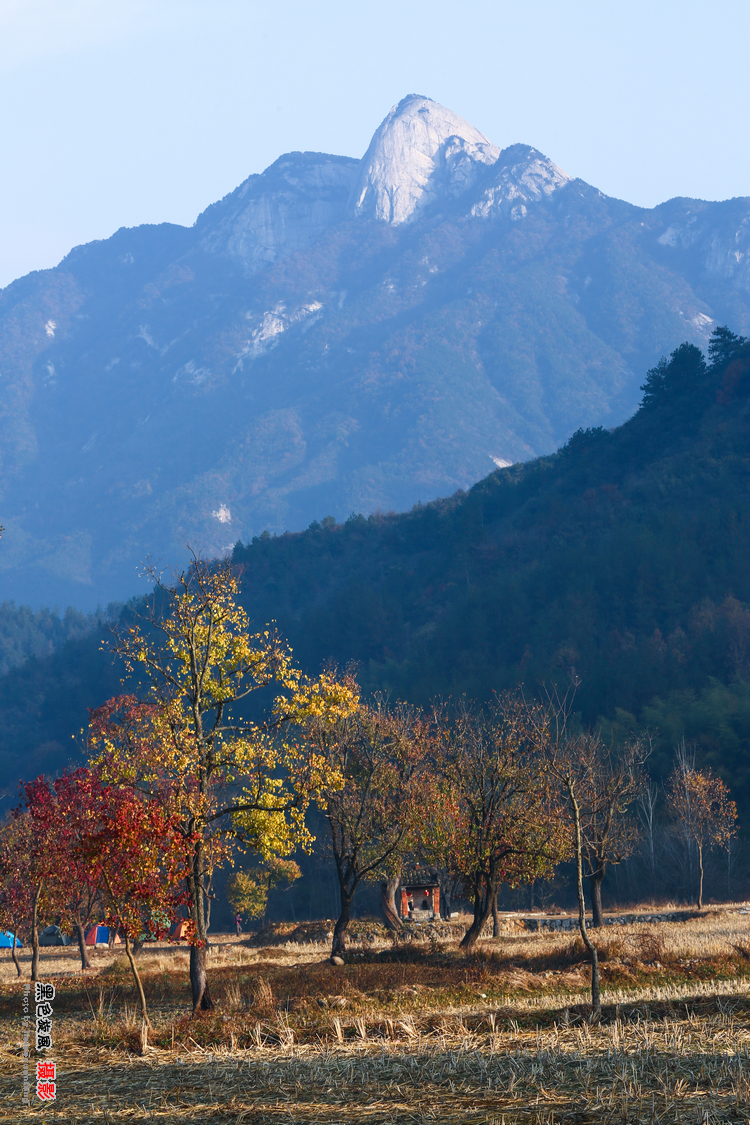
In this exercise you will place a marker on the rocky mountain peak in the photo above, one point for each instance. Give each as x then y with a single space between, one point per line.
153 394
521 176
421 152
283 210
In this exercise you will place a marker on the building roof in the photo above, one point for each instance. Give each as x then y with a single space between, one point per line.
419 876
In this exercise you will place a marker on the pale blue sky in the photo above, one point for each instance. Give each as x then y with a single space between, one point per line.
118 112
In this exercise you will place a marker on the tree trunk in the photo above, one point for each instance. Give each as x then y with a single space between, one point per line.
388 908
338 946
596 1002
482 906
265 902
699 903
198 981
136 977
81 937
13 952
207 907
35 933
495 918
446 898
691 880
133 969
531 895
595 879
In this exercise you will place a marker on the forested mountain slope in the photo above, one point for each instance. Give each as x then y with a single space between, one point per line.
622 559
24 633
335 335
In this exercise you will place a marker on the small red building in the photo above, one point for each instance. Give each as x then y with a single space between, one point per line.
420 894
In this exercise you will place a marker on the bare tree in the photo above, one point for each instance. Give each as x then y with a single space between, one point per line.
685 853
561 751
610 781
646 804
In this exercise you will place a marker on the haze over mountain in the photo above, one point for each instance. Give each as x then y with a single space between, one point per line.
335 335
620 560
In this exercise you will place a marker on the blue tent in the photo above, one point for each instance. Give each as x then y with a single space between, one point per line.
6 941
99 935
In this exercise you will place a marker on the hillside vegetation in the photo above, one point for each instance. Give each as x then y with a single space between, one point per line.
154 391
621 560
25 633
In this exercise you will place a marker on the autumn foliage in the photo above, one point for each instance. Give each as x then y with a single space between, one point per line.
225 747
379 759
230 780
492 818
702 812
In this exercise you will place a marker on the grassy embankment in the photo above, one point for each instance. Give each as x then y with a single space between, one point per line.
415 1033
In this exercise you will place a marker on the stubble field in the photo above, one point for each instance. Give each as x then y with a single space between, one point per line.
412 1033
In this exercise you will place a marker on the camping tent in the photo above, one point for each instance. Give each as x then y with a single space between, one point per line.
99 935
181 930
6 941
53 935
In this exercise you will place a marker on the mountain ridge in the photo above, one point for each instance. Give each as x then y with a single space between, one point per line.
285 356
621 559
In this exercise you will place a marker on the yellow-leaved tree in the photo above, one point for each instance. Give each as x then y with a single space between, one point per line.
217 732
248 891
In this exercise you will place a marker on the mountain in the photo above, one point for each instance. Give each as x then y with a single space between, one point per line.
334 336
621 559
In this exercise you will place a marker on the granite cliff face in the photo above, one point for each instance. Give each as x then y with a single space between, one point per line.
724 250
335 335
421 154
281 211
520 177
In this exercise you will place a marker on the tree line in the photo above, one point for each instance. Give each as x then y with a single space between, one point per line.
225 745
634 541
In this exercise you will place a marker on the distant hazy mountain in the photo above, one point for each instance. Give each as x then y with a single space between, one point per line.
334 336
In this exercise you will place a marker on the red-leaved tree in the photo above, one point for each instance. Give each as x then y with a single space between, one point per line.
139 859
36 862
57 812
17 886
110 853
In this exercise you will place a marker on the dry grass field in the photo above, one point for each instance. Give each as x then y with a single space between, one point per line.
415 1033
